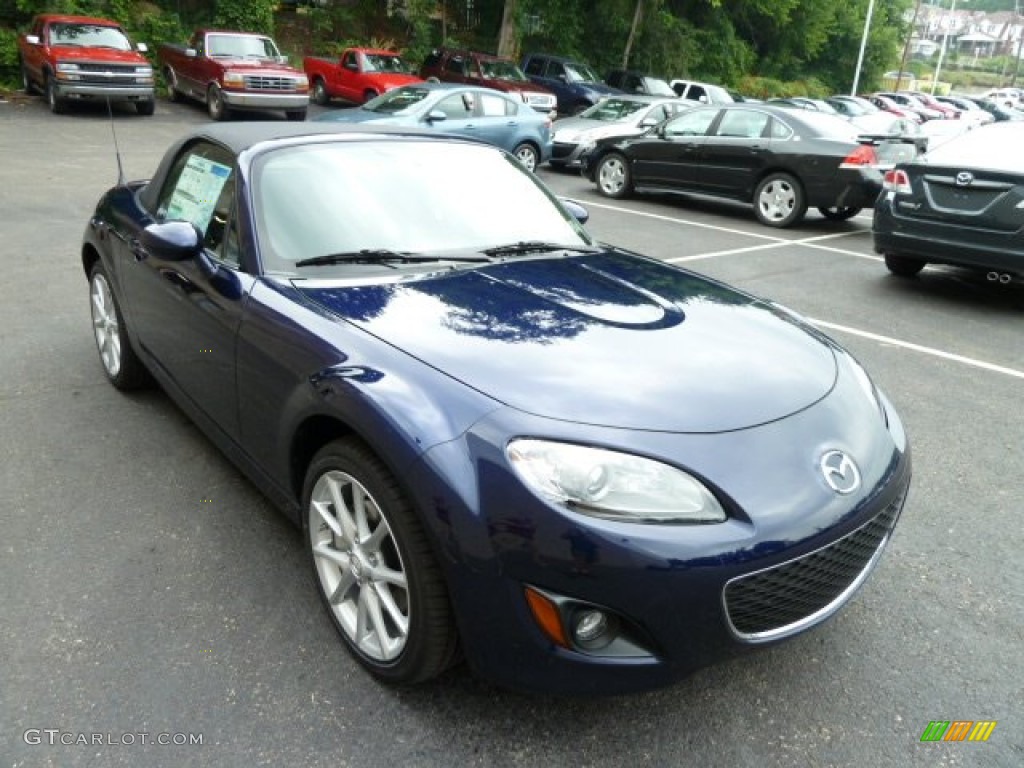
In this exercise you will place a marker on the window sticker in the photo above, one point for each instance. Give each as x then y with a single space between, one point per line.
196 193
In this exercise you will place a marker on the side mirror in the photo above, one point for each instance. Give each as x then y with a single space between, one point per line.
577 211
32 39
436 116
191 53
648 122
281 59
142 48
563 78
172 240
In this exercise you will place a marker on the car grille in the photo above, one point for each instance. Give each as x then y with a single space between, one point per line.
269 83
105 74
539 99
782 600
562 150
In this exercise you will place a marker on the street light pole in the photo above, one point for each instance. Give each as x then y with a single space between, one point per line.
863 45
942 50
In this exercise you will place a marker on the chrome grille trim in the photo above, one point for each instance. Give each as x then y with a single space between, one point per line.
759 596
270 83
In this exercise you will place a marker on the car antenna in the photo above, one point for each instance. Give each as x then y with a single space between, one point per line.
117 150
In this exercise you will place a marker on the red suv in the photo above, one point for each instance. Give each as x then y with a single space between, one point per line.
451 66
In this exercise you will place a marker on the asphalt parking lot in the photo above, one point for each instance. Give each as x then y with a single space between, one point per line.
149 589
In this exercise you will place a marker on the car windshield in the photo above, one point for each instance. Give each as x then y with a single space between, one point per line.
403 196
580 73
241 46
613 110
499 69
397 101
94 35
992 147
656 87
383 62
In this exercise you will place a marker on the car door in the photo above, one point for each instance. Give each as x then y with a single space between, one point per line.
668 157
459 110
187 313
347 83
496 119
735 152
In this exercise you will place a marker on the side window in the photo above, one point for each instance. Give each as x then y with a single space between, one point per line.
742 123
779 130
432 60
350 62
697 93
456 66
556 70
458 106
535 67
693 123
495 106
200 189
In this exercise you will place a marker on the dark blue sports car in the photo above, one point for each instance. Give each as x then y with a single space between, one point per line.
589 470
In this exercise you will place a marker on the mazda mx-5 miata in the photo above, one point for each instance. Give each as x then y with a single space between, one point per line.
589 470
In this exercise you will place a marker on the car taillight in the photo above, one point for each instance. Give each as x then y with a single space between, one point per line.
897 181
862 155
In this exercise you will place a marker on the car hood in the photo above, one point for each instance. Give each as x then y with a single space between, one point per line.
95 53
574 127
607 339
263 64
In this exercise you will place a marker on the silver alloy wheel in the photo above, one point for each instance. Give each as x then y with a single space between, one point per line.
105 325
359 566
611 176
527 155
215 104
777 200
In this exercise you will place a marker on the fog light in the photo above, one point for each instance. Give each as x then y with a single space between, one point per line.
590 629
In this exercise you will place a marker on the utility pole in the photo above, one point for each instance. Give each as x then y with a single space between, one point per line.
1020 40
906 48
942 50
863 45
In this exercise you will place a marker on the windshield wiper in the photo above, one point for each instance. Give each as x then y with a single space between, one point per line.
535 246
379 256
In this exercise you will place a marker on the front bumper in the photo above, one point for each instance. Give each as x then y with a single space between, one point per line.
243 100
565 155
66 90
683 597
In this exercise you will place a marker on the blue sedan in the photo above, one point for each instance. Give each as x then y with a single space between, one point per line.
481 113
588 470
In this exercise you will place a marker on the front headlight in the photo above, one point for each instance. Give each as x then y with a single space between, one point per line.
234 78
587 146
612 485
147 71
66 66
301 82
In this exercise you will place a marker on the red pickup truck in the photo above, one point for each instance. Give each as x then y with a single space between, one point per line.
233 70
358 75
84 58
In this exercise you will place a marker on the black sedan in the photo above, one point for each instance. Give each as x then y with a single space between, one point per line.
588 470
780 160
961 204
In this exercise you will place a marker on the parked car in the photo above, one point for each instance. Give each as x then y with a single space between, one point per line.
969 110
481 113
802 102
911 103
706 93
629 81
947 111
999 112
889 105
82 58
473 68
422 357
358 75
1008 98
868 118
574 83
231 71
959 204
781 160
615 116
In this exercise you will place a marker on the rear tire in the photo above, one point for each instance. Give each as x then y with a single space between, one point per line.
528 155
171 84
320 95
779 200
839 213
904 266
374 568
613 176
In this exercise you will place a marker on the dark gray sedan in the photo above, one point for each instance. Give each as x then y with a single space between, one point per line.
962 203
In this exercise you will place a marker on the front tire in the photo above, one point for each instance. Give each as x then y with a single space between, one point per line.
903 266
145 108
171 84
528 155
296 115
120 363
26 80
368 95
613 176
779 200
57 105
839 213
215 105
374 567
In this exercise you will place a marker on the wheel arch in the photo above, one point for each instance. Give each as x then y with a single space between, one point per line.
90 255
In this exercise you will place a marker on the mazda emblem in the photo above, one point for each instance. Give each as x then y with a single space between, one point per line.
840 472
964 178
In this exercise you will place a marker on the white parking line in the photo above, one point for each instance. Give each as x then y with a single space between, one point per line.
779 243
970 361
687 222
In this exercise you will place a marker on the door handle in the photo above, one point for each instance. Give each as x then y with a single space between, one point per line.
137 249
